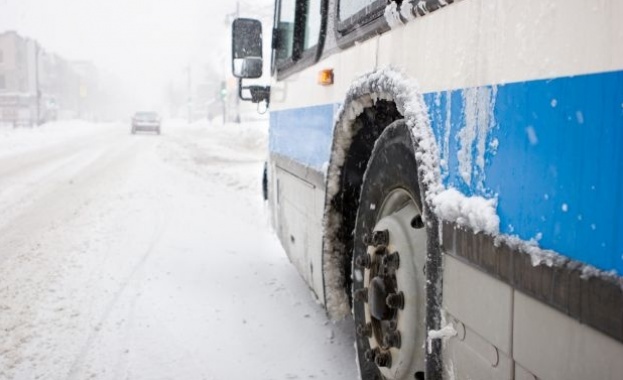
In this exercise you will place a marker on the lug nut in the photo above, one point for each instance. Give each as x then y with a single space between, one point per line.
380 251
371 353
383 359
380 238
364 330
417 222
392 339
363 261
392 325
392 260
395 300
361 295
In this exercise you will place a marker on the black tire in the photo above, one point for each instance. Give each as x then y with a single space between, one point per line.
265 182
390 194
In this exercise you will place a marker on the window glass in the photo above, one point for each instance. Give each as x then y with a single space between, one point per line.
2 82
285 28
1 56
312 23
349 8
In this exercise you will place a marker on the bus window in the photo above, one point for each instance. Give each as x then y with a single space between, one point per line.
312 23
351 8
352 15
285 28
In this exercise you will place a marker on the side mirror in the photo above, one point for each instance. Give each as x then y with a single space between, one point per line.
246 48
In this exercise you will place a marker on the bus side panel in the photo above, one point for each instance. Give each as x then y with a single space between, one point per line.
299 145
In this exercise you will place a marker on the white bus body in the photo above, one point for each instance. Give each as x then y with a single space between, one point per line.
515 110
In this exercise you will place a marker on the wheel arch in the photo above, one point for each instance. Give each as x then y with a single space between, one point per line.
351 149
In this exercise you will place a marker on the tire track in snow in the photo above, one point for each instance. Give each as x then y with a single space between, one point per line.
111 306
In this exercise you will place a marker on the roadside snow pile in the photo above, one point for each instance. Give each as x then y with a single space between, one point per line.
249 135
232 154
474 212
24 139
247 140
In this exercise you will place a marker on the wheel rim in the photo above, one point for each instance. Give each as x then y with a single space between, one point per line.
393 289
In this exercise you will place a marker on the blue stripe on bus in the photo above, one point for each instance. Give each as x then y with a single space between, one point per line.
303 134
551 153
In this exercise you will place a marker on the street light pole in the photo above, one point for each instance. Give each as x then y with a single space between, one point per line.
237 97
37 89
189 105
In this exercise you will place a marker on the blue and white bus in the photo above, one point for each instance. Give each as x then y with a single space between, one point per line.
451 174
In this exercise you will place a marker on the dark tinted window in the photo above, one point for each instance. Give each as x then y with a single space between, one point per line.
285 29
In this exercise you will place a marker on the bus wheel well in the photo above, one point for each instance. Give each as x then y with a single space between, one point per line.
372 102
368 126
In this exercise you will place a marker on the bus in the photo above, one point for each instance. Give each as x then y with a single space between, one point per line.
450 173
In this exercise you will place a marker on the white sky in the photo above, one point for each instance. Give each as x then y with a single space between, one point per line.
144 42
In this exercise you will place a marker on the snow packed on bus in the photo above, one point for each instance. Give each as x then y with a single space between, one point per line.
449 173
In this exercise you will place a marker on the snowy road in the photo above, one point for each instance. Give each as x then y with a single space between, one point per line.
150 257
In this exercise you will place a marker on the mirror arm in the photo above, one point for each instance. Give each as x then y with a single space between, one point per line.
258 93
240 88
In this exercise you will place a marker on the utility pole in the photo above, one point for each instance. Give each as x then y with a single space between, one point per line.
189 105
224 100
37 89
237 97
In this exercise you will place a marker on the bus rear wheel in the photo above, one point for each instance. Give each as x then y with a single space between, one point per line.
389 256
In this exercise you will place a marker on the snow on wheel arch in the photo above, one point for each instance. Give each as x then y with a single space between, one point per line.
387 84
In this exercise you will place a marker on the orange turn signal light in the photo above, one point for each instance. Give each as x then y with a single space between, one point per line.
325 77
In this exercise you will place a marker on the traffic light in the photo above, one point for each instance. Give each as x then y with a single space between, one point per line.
223 91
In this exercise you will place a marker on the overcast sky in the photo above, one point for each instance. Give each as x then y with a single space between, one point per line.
145 42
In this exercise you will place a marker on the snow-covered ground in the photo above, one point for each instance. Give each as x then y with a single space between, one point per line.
150 257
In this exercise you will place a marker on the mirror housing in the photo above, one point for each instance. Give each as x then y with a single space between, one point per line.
246 49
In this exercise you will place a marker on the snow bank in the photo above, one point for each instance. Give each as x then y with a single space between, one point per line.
25 139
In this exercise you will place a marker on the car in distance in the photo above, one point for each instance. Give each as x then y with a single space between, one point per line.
146 121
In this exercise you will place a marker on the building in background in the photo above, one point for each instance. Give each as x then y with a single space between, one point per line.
37 86
18 98
87 86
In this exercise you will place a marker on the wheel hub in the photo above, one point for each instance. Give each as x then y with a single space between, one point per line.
393 287
377 296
